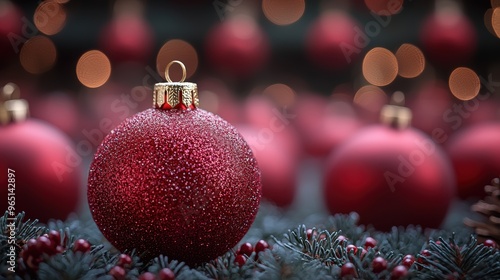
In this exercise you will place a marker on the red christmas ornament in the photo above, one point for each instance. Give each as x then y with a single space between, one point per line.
44 163
475 153
237 47
448 37
174 180
384 173
334 41
11 35
279 167
127 38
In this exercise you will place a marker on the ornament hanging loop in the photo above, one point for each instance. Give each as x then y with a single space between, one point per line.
167 71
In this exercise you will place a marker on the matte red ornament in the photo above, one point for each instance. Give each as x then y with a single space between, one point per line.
384 173
475 153
127 38
237 47
45 164
178 182
449 38
334 41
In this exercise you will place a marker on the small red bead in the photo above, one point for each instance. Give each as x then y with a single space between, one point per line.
399 272
351 249
124 261
370 242
412 257
379 264
426 253
310 233
166 274
117 272
55 236
341 239
347 269
246 249
490 243
363 253
438 242
45 246
260 246
31 248
240 260
407 262
81 245
147 276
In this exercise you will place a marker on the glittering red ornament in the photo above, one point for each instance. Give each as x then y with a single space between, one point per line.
385 173
179 182
237 47
45 165
334 41
475 153
127 38
448 37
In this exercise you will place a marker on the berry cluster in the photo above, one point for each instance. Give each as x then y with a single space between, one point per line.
246 250
164 274
125 262
49 245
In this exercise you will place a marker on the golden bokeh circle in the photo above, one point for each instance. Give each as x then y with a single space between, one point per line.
370 98
283 12
177 50
380 66
50 17
38 55
93 69
411 61
464 83
281 94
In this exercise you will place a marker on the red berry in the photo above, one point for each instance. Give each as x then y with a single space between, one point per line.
240 260
351 249
246 249
490 243
399 272
117 272
147 276
426 253
81 245
31 248
409 257
348 269
310 234
379 264
341 239
45 246
124 261
407 262
370 242
438 242
363 253
166 274
55 237
260 246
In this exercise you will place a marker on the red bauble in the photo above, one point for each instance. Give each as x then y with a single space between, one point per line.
449 38
237 47
278 165
11 37
475 153
331 41
47 170
127 38
384 174
182 183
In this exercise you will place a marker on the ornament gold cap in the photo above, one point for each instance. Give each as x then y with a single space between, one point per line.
396 114
175 95
12 108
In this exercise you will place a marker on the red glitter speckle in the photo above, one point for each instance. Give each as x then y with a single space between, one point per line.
182 183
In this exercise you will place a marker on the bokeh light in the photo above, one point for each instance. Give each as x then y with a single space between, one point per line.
464 83
488 17
177 50
50 17
380 67
93 69
281 94
384 7
38 55
411 61
495 21
283 12
370 98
